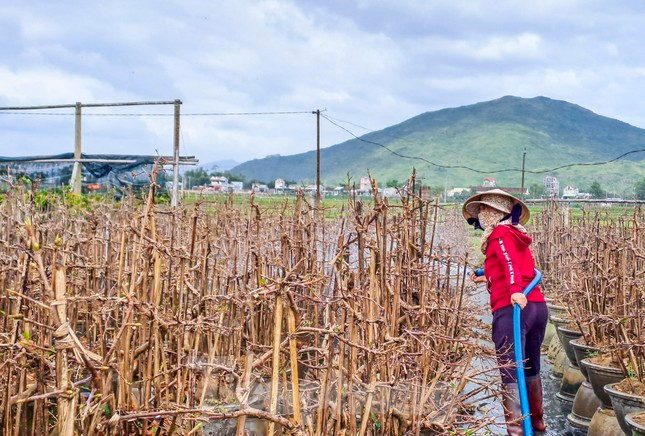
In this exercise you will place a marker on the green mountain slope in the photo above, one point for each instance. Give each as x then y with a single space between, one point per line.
486 136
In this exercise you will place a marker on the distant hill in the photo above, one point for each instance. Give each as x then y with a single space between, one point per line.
219 165
489 135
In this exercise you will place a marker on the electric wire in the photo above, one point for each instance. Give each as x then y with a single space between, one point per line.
157 114
465 167
404 156
333 120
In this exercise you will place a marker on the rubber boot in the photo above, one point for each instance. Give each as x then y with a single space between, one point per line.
512 409
534 390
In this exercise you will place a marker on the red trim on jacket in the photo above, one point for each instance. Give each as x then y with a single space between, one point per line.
509 266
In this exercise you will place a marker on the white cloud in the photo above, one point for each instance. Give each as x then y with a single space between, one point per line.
372 62
50 86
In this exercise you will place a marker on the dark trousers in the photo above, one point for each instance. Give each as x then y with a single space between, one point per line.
534 318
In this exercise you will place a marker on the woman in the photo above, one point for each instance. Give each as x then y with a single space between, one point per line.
508 269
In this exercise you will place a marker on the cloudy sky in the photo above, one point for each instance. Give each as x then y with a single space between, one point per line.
374 63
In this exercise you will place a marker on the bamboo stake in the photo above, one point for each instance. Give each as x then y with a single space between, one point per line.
275 365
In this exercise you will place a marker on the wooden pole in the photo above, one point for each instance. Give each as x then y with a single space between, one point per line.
317 158
275 370
175 169
76 172
523 164
293 357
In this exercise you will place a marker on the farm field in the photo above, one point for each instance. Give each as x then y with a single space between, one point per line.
250 313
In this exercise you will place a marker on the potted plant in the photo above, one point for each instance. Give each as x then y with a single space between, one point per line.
603 370
567 333
627 396
636 422
585 402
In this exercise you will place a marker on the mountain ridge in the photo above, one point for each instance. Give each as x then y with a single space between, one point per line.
487 135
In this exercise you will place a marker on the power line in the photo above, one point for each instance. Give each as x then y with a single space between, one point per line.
196 114
416 157
505 170
640 150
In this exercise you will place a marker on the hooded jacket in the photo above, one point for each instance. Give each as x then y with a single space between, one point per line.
509 266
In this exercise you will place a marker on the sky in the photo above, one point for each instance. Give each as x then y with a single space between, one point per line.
373 63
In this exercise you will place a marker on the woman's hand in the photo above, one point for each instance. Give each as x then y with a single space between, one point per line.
519 298
477 279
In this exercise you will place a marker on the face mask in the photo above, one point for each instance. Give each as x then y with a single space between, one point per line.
489 218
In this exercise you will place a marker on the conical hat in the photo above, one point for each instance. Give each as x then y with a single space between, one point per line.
497 199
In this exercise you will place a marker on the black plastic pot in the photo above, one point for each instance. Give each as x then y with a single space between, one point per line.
624 404
566 336
559 321
637 429
556 310
582 351
599 376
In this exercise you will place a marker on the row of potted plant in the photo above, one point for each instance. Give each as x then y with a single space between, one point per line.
596 264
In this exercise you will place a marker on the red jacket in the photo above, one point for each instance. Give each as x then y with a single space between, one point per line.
509 266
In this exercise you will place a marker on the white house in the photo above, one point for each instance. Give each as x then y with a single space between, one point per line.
552 185
389 192
257 187
365 185
280 184
456 191
489 182
570 192
237 186
339 190
219 181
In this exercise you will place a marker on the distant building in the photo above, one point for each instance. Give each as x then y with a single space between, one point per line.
339 190
456 191
489 182
365 184
390 192
552 186
257 187
424 192
219 181
279 184
236 186
570 192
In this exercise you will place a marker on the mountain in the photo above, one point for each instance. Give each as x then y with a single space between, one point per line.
219 165
486 136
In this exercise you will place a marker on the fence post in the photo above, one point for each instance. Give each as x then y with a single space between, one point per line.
76 172
175 168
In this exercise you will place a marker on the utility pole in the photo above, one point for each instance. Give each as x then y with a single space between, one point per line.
76 172
523 163
175 155
317 158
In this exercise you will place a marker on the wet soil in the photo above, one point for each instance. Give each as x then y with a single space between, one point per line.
605 360
631 386
640 418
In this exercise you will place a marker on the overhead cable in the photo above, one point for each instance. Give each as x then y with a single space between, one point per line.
189 114
465 167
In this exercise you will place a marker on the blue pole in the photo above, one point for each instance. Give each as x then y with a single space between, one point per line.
519 358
